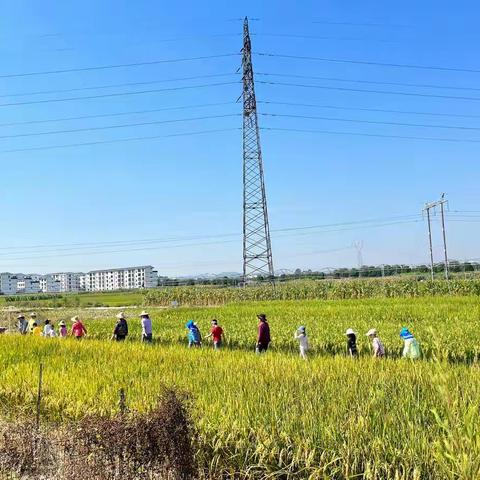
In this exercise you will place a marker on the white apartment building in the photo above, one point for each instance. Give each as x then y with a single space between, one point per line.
120 279
13 283
69 281
95 281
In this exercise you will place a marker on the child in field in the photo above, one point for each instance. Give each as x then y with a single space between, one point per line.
378 348
351 343
78 329
301 336
193 335
36 330
48 330
411 348
216 332
62 330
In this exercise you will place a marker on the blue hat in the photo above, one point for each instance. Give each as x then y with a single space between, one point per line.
189 324
405 333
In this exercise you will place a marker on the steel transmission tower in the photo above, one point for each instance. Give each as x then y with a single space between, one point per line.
257 248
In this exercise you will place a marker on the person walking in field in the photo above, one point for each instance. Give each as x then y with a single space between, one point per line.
62 330
351 343
377 345
48 330
263 336
147 331
301 336
33 319
411 348
120 331
78 329
22 325
216 332
37 330
194 336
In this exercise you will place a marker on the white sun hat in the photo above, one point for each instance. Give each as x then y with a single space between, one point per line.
371 332
75 319
144 314
349 331
121 315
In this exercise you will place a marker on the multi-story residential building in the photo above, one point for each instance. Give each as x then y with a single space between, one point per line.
121 279
69 282
95 281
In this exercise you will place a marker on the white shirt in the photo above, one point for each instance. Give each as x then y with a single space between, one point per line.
303 340
378 348
48 331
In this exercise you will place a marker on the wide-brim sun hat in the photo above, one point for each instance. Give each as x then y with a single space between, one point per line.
120 316
144 314
405 333
371 332
61 324
20 317
301 329
261 316
33 315
350 331
75 318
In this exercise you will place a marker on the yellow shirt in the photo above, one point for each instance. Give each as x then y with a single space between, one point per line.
37 331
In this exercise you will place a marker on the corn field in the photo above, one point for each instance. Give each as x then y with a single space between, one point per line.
277 416
312 290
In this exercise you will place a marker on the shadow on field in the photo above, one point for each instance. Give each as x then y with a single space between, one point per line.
153 445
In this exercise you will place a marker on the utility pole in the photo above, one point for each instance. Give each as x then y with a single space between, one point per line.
429 206
257 248
358 245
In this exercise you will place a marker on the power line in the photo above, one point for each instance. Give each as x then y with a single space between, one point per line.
116 85
119 140
316 37
377 135
116 114
124 125
118 65
370 82
373 122
360 90
367 62
353 223
120 94
360 109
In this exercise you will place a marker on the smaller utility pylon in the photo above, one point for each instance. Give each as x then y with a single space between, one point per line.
432 206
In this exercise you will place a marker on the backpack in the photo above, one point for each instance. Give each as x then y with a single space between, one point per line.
122 329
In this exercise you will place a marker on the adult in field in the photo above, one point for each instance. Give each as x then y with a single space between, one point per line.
78 328
263 335
120 331
351 343
411 348
147 331
377 345
33 319
22 325
216 332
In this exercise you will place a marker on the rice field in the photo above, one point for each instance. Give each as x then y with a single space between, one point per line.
276 416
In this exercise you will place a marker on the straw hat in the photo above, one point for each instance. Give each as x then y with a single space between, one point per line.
121 316
144 314
371 333
75 319
349 331
61 324
33 315
20 317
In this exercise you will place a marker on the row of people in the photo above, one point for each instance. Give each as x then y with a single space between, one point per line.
411 347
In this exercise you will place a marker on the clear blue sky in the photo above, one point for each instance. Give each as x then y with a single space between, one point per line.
180 187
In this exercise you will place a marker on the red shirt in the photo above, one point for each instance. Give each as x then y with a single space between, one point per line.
78 330
216 332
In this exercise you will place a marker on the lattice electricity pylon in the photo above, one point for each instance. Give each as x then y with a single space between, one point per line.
257 247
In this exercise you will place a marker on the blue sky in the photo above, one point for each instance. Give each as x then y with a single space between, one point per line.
186 191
